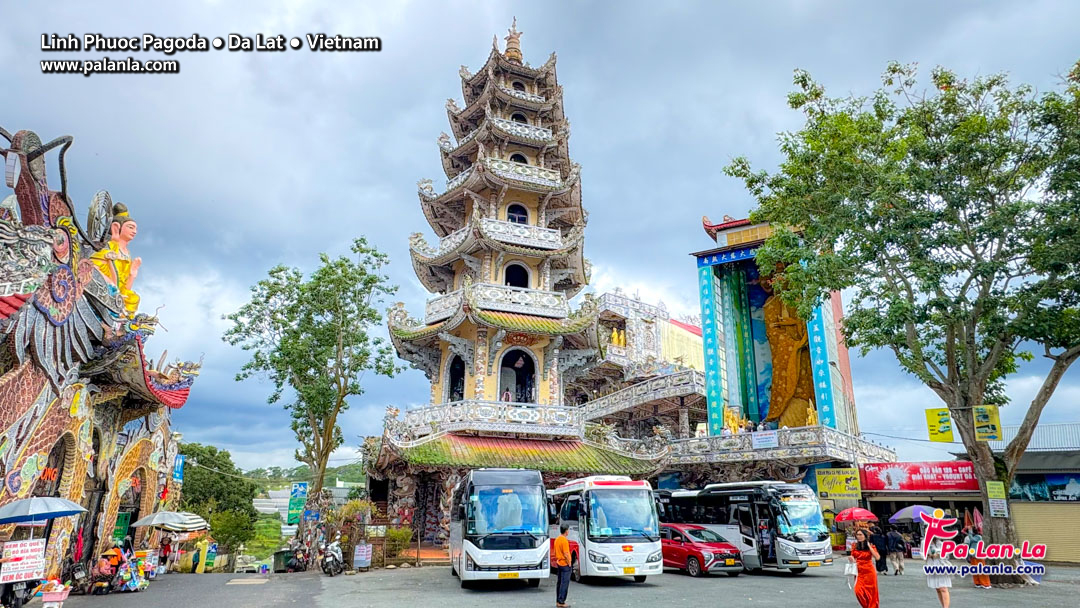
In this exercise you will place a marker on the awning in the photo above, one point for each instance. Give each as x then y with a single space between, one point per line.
540 454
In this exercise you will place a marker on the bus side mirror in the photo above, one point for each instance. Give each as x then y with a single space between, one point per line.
461 512
552 513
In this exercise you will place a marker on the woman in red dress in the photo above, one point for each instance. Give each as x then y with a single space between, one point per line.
864 555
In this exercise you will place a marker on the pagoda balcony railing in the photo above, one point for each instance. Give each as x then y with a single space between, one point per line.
485 416
442 307
522 234
811 443
520 300
679 384
458 179
522 95
520 172
523 130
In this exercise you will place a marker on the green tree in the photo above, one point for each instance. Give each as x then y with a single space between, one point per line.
214 484
231 529
313 336
952 216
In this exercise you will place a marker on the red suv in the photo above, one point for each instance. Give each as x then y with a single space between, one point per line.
698 550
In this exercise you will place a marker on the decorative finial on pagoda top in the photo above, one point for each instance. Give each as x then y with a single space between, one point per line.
513 44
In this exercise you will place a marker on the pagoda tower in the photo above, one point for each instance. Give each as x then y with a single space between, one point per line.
508 259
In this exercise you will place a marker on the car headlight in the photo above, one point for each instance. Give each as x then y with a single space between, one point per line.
469 565
655 557
597 558
707 555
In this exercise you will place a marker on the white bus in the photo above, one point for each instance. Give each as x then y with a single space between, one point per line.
774 524
614 530
498 526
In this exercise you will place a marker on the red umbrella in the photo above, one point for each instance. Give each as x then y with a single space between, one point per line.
856 514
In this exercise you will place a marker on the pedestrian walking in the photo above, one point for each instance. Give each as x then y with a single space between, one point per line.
863 554
939 582
878 540
563 560
972 540
895 543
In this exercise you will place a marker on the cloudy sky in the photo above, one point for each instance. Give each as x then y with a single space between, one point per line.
246 160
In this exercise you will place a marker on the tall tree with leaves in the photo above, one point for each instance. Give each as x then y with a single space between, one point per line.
314 336
212 483
952 216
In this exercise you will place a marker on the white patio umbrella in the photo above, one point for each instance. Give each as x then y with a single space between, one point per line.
37 509
160 519
190 523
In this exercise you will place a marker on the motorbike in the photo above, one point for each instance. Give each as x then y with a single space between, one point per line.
298 561
75 573
332 562
14 595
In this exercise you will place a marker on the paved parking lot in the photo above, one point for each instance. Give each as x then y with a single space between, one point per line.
435 586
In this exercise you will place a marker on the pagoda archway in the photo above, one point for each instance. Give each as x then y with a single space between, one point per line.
455 380
517 376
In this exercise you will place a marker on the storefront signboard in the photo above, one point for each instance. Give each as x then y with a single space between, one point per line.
764 440
838 483
178 468
30 567
995 493
121 528
939 424
1046 487
945 476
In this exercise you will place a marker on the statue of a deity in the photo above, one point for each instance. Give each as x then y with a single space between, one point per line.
792 396
115 261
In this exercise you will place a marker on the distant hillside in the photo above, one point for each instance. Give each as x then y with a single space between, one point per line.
276 478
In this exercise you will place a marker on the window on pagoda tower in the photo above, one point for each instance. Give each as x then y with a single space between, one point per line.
518 86
455 387
517 214
519 117
519 158
516 275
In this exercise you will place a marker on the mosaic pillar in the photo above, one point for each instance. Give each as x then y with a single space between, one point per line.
480 357
684 419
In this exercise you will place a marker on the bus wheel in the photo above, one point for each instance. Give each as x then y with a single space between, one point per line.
752 570
639 579
797 570
693 566
465 584
575 568
534 582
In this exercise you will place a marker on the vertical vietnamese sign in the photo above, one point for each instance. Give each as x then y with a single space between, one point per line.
297 498
995 494
178 469
939 424
711 343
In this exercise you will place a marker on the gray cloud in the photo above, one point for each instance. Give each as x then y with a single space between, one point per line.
245 160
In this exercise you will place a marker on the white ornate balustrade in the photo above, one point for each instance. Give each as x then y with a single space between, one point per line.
522 95
485 416
812 443
522 234
531 174
520 300
442 307
523 130
669 386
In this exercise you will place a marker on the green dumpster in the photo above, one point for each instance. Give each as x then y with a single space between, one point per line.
281 559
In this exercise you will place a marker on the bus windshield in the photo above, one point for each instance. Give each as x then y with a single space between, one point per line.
620 515
507 509
803 520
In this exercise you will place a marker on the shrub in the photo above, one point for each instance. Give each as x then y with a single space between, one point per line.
397 540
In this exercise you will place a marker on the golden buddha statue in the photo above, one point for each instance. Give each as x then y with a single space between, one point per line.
115 262
792 398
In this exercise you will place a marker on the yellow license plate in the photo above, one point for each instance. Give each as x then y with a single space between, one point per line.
628 570
729 562
812 564
508 575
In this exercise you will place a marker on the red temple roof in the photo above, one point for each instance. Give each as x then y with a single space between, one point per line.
711 229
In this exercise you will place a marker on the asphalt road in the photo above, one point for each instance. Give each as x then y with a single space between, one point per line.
435 587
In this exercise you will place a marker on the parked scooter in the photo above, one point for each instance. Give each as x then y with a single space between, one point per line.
298 562
14 595
332 562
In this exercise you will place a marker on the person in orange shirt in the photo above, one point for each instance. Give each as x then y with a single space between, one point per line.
563 560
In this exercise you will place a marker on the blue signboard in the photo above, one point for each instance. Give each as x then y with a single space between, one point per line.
310 515
727 257
711 336
178 468
819 364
